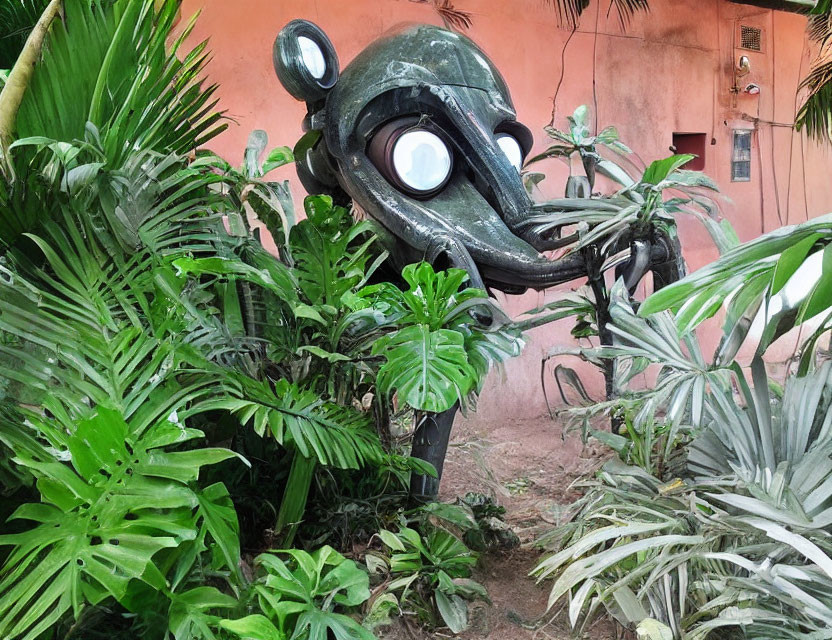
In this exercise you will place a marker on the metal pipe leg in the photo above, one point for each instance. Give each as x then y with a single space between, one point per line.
430 443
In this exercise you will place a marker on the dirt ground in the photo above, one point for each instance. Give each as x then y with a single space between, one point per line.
528 467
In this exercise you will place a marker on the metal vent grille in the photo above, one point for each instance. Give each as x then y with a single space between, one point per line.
751 38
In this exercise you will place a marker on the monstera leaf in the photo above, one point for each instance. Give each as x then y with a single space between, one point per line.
440 351
429 369
102 518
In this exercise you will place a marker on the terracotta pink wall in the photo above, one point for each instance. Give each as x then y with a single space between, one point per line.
671 71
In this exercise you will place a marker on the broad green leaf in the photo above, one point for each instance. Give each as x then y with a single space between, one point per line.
189 615
790 261
253 627
381 612
303 592
391 540
315 624
820 298
220 519
277 158
661 169
85 548
454 611
322 353
428 369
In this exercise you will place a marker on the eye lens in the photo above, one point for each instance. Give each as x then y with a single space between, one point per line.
421 160
313 57
511 148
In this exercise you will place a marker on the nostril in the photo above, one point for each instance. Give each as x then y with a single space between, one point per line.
442 262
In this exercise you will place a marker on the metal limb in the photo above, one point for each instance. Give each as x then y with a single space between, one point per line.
671 269
430 443
455 255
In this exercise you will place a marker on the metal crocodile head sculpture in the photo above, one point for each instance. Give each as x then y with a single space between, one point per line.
420 132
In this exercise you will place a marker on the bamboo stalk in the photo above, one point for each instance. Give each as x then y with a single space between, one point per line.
12 94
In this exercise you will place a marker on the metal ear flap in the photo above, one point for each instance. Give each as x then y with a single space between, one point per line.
305 61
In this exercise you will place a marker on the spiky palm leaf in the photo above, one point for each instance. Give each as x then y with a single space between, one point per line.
17 17
742 545
815 113
695 558
739 541
570 11
128 92
820 27
626 9
749 276
129 83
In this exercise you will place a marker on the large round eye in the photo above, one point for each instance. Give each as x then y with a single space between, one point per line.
512 149
413 156
422 160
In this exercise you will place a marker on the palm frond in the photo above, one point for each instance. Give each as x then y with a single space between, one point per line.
17 17
693 557
749 276
815 114
820 28
129 82
452 17
332 435
570 11
628 8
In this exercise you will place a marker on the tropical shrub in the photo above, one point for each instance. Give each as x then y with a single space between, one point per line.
719 524
299 598
429 566
150 349
712 520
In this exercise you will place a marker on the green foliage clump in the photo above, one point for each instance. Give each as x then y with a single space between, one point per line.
170 392
299 598
714 519
429 566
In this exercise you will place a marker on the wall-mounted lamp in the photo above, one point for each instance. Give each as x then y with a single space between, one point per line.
743 66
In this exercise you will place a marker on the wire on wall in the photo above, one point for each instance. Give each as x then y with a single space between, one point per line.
562 73
595 65
774 117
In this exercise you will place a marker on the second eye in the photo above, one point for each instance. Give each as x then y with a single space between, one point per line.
511 147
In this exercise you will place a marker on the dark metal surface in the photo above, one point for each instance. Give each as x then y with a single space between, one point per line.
430 443
478 218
